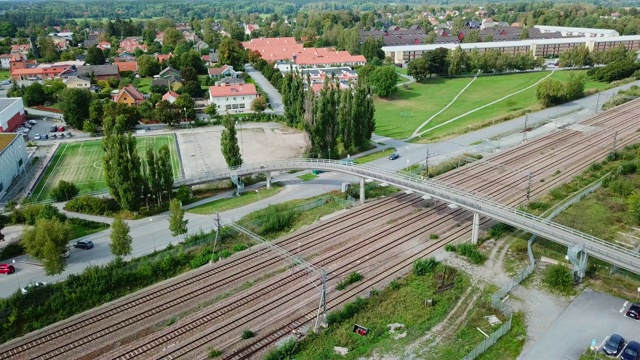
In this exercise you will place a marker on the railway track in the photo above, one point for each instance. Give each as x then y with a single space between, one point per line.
465 176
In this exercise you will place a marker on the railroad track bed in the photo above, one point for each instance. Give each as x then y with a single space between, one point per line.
566 149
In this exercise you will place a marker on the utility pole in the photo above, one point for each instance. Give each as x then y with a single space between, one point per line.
213 251
524 132
426 163
597 102
615 138
529 188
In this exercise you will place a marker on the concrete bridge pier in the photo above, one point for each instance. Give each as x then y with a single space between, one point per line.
268 176
475 228
361 190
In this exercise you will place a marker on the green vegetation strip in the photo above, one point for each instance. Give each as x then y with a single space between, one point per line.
81 164
403 301
246 198
374 156
307 177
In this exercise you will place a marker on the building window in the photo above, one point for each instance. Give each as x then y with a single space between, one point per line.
228 106
1 187
234 98
241 106
20 163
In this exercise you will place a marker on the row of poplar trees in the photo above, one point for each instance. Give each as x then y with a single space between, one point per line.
336 120
131 179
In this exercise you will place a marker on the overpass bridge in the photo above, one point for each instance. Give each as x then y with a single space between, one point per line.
614 254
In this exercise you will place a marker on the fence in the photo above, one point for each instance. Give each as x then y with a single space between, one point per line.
496 298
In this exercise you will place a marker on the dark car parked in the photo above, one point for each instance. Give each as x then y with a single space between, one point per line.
631 352
83 244
394 156
613 345
633 311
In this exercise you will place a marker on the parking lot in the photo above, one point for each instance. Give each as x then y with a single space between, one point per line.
591 315
43 126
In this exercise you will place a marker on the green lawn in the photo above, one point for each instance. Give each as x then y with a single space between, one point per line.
145 85
307 177
246 198
4 74
399 115
374 156
81 163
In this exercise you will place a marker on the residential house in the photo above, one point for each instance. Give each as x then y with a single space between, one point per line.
101 72
170 83
102 45
200 45
226 81
4 60
170 96
168 72
21 48
127 66
77 82
232 98
159 36
190 36
124 56
132 43
211 59
128 95
487 24
274 49
20 71
249 28
225 70
163 57
90 42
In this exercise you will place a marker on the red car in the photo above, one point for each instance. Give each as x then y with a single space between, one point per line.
61 129
6 269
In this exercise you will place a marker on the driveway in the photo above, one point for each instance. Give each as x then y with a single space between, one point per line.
275 99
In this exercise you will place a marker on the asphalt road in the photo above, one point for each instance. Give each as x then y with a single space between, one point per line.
275 99
591 315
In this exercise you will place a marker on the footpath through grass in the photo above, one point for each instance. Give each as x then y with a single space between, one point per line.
246 198
399 115
81 164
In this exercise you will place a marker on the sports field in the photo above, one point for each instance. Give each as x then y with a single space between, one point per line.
81 163
400 115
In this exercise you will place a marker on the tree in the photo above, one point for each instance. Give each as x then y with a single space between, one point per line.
95 56
95 112
524 34
437 61
457 61
185 101
47 241
229 142
167 113
177 222
89 128
171 36
472 37
192 88
75 106
231 52
130 114
211 110
189 74
120 239
148 65
574 87
558 277
419 69
550 92
383 81
259 104
48 50
64 191
34 94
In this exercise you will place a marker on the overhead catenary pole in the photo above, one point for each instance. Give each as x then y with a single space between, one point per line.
213 251
426 163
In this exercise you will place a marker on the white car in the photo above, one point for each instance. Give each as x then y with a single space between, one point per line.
37 137
34 285
32 122
5 82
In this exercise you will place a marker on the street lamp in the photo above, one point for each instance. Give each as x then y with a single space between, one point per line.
153 237
185 117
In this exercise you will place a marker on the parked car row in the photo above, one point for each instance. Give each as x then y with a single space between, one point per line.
615 345
52 136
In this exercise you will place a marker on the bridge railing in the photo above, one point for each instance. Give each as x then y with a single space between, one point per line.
471 200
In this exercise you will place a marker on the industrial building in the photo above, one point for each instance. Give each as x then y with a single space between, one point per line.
12 114
13 159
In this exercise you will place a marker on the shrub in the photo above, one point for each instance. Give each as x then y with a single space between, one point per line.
30 213
539 205
247 334
450 248
628 168
239 247
93 205
434 236
287 351
214 353
347 312
422 267
65 191
183 194
11 250
394 285
498 230
559 277
471 252
350 279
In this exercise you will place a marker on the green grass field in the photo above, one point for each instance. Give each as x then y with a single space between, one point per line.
145 85
401 114
4 74
81 163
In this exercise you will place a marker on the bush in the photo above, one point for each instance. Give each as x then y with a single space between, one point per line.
498 230
183 194
450 248
11 250
434 236
471 252
350 279
65 191
287 351
247 334
422 267
93 205
347 312
214 353
559 277
30 213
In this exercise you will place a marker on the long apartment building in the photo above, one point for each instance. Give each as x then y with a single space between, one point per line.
537 47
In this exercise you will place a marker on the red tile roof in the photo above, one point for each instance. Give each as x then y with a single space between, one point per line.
132 91
232 90
170 94
272 49
218 71
127 66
